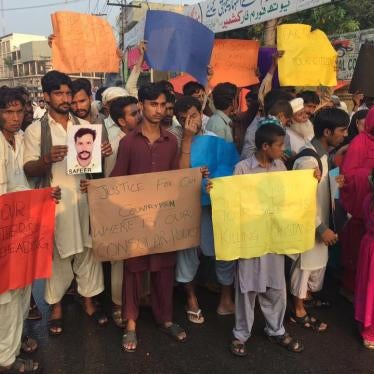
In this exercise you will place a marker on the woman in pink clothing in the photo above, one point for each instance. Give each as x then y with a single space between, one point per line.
357 166
364 293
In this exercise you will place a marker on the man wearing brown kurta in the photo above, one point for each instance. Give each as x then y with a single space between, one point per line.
149 148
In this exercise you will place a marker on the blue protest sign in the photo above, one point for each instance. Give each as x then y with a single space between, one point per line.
177 43
218 155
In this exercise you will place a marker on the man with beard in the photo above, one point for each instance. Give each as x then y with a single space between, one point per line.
84 140
45 160
81 103
300 130
149 148
81 106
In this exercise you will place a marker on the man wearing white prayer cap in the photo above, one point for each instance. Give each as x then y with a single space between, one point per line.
300 130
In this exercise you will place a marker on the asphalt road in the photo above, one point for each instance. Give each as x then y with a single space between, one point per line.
85 348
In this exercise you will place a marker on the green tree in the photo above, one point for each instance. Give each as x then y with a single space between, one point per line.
334 18
330 18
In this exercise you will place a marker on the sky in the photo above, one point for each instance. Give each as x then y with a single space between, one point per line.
37 21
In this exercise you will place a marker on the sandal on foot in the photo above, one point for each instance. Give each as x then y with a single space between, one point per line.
53 325
28 345
99 317
195 317
288 342
317 303
368 344
129 338
174 330
28 366
34 313
222 312
238 349
117 318
309 322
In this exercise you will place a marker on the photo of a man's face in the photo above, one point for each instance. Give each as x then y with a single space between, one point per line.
84 143
84 149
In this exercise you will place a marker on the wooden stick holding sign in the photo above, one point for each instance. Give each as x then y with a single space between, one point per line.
144 214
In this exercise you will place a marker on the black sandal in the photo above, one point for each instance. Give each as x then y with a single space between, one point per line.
99 317
28 366
174 330
34 313
28 345
53 325
308 322
317 303
288 342
238 349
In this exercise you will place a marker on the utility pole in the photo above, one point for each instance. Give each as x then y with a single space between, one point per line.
123 14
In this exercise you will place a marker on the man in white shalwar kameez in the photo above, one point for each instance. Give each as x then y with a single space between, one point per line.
45 160
14 304
308 269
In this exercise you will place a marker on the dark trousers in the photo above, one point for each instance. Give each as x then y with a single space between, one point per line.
162 283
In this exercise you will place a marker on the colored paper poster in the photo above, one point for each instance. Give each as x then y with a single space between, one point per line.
27 221
334 188
218 155
256 214
133 55
309 58
144 214
362 79
177 43
179 81
83 44
236 59
265 61
84 149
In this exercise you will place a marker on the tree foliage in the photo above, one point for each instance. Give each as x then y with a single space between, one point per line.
334 18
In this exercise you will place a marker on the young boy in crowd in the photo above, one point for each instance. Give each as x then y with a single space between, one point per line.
262 277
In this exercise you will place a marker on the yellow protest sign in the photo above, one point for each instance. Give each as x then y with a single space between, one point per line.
143 214
83 44
309 58
236 59
255 214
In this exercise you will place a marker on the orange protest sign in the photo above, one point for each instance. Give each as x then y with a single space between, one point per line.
234 61
27 221
83 44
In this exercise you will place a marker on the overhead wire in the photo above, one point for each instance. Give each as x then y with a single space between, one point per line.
42 5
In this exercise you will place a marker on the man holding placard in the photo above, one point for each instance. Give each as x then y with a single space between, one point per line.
45 160
14 304
149 148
